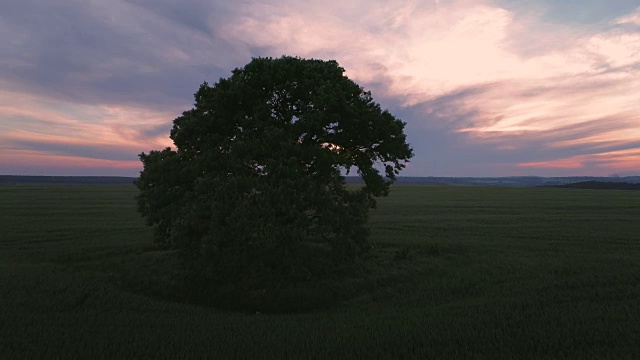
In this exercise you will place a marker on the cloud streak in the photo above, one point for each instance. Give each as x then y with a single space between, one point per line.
479 69
508 89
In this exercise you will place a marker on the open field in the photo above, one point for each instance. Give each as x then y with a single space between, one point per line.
456 272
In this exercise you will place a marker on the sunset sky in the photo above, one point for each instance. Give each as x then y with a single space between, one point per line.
487 87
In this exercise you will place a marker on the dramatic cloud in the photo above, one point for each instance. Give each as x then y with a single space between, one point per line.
46 134
494 87
478 69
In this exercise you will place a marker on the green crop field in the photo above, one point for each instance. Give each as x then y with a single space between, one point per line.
455 272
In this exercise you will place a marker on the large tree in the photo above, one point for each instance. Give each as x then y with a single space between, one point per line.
255 186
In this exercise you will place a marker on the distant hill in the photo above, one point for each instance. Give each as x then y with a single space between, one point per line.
69 180
514 181
600 185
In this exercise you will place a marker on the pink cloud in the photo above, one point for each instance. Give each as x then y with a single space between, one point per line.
602 163
555 164
41 133
631 19
531 76
69 123
511 78
43 160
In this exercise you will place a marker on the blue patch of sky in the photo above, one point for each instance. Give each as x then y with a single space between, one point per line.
585 12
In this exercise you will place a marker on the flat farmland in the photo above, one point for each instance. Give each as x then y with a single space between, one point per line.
454 272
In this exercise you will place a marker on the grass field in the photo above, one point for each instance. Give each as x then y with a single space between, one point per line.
456 272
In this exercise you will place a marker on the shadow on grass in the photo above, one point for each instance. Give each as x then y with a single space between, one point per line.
162 274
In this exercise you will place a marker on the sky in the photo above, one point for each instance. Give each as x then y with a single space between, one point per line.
486 87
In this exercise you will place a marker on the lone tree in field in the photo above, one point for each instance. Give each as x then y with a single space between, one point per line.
254 188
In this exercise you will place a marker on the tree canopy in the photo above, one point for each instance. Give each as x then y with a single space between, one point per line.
255 188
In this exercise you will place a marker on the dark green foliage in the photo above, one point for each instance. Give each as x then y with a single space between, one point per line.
254 188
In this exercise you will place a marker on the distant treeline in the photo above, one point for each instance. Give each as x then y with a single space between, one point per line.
514 181
97 180
599 185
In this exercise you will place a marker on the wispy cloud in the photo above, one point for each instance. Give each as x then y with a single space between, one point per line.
481 84
615 162
40 133
483 70
109 52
